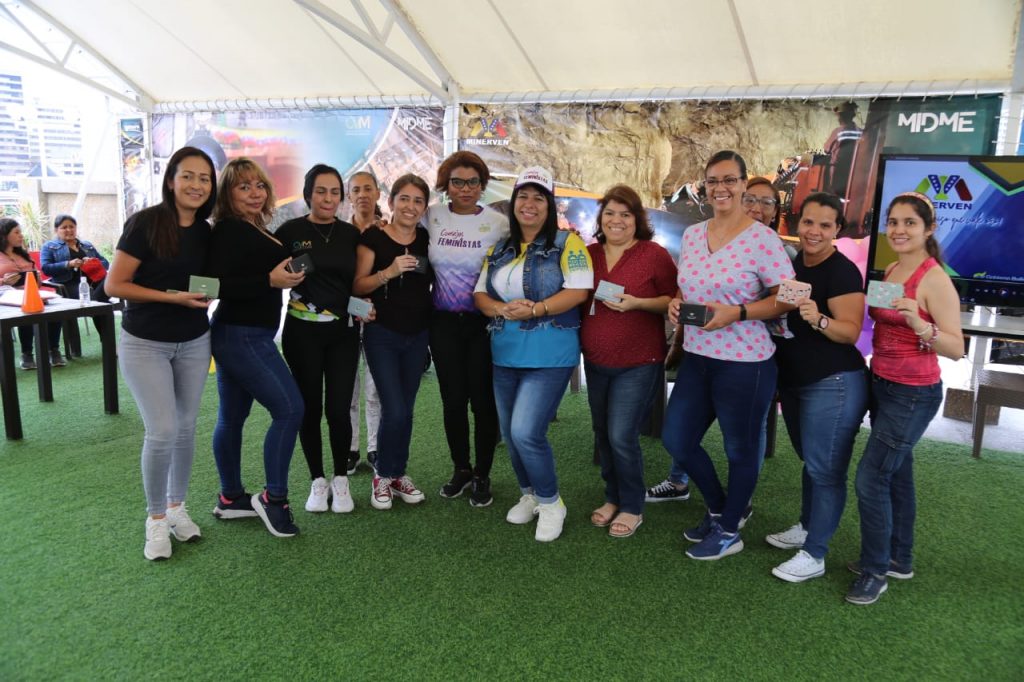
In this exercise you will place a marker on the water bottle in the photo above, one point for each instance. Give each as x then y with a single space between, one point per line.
84 293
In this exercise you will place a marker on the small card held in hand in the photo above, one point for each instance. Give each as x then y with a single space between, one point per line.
608 291
302 263
792 291
421 264
881 294
359 308
210 286
693 313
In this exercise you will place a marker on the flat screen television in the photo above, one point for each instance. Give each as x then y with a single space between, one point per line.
979 207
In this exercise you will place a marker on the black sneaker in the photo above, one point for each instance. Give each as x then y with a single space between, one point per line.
461 479
898 571
371 459
238 508
667 491
27 361
277 516
353 462
747 513
56 359
480 493
867 589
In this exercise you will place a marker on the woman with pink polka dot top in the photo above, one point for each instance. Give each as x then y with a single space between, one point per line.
733 265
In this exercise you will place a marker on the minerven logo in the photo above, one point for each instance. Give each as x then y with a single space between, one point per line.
940 185
488 131
926 122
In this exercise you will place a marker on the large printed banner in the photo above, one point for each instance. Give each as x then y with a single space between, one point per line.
660 148
135 172
389 142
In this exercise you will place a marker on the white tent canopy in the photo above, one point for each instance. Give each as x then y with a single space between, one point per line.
170 55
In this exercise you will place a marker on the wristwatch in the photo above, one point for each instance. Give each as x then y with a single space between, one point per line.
822 323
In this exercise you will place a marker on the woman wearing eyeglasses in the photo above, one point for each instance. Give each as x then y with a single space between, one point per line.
461 232
733 265
761 202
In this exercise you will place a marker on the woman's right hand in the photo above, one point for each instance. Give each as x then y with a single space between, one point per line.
281 278
190 299
11 277
76 263
401 265
673 310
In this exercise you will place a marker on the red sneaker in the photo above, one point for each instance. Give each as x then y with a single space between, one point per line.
406 490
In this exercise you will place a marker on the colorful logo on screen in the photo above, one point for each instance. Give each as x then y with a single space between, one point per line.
940 186
489 131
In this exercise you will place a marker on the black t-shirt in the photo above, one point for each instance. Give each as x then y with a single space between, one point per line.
810 356
241 256
333 250
403 304
166 322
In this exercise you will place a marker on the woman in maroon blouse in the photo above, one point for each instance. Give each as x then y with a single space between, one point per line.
623 340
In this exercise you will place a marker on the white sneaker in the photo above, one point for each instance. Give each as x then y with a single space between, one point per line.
549 520
524 511
317 500
183 528
800 568
793 537
341 500
158 539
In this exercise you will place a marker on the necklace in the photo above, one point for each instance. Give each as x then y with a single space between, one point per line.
325 237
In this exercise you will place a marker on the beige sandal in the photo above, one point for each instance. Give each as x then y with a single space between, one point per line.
603 516
622 529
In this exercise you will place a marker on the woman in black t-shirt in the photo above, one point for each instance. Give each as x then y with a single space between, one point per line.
822 384
164 352
252 266
392 267
320 339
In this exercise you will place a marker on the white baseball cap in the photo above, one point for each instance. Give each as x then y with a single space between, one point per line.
536 175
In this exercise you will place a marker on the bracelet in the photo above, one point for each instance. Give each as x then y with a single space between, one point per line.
928 345
533 310
545 304
381 277
743 312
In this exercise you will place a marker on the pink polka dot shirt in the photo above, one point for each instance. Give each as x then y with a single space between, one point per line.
740 272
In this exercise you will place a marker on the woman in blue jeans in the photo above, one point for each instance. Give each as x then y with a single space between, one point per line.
822 384
905 393
532 286
392 268
731 265
251 265
165 338
623 340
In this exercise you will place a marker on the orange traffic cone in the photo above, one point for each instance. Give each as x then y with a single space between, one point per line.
33 302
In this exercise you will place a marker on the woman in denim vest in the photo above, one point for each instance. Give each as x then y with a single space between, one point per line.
532 286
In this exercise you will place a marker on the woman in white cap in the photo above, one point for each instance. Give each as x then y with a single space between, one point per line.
532 285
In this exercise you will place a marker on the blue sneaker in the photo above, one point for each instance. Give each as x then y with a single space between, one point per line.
867 589
702 529
716 545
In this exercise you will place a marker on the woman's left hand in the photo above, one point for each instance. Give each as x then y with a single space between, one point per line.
723 314
519 309
372 316
76 263
625 303
907 307
11 277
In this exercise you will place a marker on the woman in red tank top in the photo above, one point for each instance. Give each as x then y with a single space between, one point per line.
906 391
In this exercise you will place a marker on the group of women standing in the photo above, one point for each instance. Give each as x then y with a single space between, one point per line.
506 305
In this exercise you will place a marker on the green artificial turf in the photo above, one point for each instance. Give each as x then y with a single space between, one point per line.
445 591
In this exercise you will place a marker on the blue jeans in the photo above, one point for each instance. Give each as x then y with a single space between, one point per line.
823 419
396 362
167 381
249 367
619 400
885 477
738 394
527 400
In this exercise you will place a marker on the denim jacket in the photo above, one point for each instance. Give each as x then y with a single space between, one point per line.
55 254
542 277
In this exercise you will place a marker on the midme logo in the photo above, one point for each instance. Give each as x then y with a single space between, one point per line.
926 121
939 187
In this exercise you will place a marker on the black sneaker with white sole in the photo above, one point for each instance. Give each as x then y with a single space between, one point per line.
238 508
277 516
353 462
898 571
371 459
666 491
480 492
460 480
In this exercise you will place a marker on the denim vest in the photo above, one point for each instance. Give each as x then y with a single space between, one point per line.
542 277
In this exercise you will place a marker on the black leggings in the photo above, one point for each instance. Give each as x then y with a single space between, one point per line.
319 354
461 349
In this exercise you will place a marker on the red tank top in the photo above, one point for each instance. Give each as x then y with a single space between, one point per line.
897 354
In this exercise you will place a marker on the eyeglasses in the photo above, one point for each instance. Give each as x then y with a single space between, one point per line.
459 183
766 202
728 181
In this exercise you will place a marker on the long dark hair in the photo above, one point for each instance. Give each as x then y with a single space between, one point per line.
627 196
162 219
922 206
548 231
8 225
